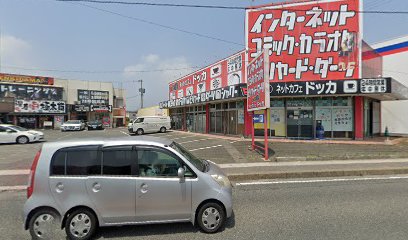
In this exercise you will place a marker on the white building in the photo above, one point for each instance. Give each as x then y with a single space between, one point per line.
394 114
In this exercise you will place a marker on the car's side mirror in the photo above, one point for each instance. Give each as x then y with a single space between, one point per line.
9 131
180 173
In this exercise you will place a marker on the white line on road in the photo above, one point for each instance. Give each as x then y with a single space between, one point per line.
192 150
198 140
322 180
66 135
14 172
181 137
127 134
12 188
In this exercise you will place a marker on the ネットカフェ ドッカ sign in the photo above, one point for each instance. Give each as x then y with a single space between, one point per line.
331 87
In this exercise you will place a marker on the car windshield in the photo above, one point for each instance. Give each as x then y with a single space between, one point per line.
94 122
198 163
73 122
18 128
139 120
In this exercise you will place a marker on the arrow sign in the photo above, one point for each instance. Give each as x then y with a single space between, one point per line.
258 118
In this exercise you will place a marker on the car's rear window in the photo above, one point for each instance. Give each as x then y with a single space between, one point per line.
78 161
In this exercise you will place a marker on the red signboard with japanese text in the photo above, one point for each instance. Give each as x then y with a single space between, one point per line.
258 83
14 78
227 72
307 40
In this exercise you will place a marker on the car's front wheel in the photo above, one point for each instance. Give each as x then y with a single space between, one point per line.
22 140
80 225
162 129
211 217
139 131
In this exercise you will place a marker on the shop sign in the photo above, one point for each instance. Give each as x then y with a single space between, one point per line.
258 83
236 91
101 108
13 78
227 72
34 106
308 40
258 118
331 87
88 97
82 108
30 92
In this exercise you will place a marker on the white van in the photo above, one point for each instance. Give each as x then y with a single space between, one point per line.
149 124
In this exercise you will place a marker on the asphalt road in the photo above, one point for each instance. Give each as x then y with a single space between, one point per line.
354 209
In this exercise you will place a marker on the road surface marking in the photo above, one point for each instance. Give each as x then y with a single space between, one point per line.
12 188
310 163
198 140
192 150
181 137
64 136
14 172
321 180
125 133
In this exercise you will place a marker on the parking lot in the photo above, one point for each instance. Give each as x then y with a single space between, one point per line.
14 156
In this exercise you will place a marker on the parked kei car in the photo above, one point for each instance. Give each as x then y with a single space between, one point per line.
73 125
149 124
16 134
85 184
95 125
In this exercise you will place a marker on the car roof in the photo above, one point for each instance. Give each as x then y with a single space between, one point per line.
107 142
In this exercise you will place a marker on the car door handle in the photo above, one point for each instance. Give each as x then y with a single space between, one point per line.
144 188
96 187
59 188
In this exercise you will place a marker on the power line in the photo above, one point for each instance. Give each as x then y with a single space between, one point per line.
103 72
214 6
156 4
152 23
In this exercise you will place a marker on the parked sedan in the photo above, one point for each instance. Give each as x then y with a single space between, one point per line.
95 125
73 125
15 134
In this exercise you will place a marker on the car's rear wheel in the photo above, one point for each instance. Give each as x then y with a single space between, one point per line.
22 140
211 217
44 225
139 131
80 225
162 129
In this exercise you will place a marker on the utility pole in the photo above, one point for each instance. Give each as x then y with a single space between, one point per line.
142 92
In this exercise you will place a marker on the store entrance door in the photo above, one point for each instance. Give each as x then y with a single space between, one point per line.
300 123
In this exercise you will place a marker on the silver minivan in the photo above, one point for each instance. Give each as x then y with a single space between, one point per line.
84 184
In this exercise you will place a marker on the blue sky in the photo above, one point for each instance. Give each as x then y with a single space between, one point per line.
41 35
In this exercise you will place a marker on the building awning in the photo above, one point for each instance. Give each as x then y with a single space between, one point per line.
383 89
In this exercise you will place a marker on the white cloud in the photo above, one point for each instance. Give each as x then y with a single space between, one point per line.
152 58
156 73
15 51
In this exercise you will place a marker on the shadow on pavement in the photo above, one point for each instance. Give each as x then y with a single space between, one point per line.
154 229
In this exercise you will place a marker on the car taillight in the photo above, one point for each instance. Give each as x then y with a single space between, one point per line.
30 187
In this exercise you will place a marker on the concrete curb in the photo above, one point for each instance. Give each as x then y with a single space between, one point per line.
313 141
315 174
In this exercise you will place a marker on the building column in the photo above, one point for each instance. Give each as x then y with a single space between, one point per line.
359 118
207 118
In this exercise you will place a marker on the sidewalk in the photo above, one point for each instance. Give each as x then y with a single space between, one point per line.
341 168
